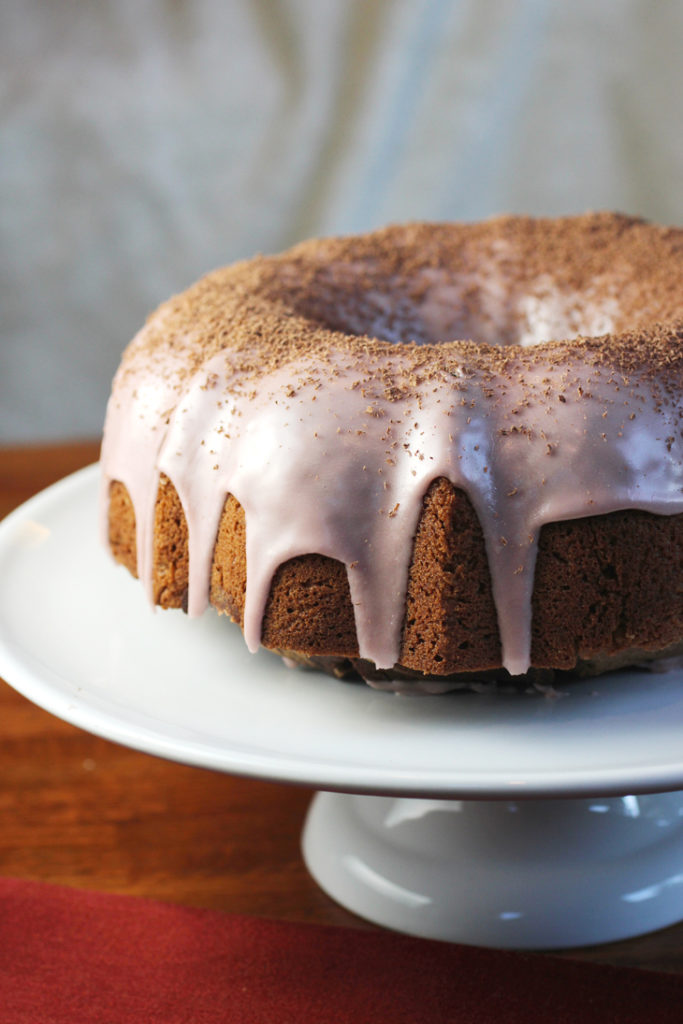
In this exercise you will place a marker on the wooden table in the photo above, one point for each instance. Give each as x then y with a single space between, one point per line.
81 811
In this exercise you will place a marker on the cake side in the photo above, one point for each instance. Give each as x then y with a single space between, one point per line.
606 588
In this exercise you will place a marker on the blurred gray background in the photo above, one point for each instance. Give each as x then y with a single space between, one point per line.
144 142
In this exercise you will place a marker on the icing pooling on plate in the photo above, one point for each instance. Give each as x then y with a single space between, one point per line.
328 457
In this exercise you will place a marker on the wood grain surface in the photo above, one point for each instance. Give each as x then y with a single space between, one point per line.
84 812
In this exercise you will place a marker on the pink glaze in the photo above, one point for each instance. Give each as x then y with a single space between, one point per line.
317 468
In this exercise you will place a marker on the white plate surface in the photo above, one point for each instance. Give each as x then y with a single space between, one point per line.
77 638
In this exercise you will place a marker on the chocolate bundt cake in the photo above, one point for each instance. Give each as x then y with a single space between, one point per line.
434 452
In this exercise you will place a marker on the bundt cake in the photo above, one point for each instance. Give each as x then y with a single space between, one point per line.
434 452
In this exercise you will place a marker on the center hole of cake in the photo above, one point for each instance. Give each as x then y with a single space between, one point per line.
494 309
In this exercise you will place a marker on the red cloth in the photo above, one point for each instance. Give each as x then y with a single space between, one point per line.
72 957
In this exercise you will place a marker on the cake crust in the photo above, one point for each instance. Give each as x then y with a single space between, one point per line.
607 590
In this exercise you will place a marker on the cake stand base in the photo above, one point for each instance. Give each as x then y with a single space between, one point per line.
527 874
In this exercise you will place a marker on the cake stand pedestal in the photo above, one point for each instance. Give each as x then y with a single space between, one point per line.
523 874
511 820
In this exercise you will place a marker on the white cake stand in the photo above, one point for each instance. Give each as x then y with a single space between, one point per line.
520 821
